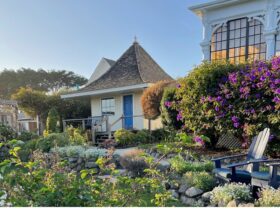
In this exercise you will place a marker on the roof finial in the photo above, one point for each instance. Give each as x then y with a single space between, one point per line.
135 40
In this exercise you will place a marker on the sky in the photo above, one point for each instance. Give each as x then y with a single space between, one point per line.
74 35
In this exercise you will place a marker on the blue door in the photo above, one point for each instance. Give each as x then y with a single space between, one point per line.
128 111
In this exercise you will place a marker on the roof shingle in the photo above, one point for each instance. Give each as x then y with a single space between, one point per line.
134 67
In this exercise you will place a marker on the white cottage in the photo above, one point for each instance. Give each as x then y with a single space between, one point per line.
238 30
115 89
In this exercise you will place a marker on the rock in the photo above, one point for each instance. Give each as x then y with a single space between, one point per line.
193 192
163 165
72 160
232 203
183 188
206 196
246 205
187 201
174 193
91 165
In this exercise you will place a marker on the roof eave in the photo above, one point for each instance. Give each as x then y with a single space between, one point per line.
198 9
105 91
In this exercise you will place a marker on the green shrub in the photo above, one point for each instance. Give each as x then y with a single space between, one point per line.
52 121
203 80
273 148
168 111
142 137
75 135
224 194
159 134
6 133
181 166
124 137
201 180
52 140
269 197
26 136
185 138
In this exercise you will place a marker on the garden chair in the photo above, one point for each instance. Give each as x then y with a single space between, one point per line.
255 152
264 179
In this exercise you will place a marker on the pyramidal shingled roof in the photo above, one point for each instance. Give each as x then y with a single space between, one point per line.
134 67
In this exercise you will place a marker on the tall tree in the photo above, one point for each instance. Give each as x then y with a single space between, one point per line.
39 103
42 80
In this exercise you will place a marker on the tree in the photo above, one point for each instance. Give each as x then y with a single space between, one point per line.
38 103
151 99
42 80
52 120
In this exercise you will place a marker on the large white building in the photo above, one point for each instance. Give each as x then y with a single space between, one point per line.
239 29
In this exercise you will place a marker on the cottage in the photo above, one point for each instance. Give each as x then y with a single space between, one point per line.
115 89
238 30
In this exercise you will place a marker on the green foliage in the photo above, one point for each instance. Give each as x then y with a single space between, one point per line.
169 112
51 141
159 134
142 137
185 138
201 180
42 80
35 102
31 184
201 81
224 194
273 148
76 137
181 166
52 121
27 136
124 137
269 197
6 133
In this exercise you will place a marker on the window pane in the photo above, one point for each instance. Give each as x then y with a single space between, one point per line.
237 43
231 34
243 41
251 31
219 37
108 106
224 45
243 32
224 36
231 43
237 33
243 23
231 53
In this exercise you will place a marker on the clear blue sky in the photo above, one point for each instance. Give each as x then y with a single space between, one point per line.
75 34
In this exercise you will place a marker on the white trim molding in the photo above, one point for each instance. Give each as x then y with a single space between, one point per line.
215 14
106 91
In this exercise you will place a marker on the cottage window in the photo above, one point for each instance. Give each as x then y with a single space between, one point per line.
108 106
238 41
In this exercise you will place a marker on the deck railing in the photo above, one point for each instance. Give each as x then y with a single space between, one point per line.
98 122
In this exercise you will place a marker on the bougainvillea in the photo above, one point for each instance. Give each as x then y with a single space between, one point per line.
203 80
170 117
247 100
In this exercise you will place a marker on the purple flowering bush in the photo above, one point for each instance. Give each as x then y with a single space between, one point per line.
247 101
202 81
170 117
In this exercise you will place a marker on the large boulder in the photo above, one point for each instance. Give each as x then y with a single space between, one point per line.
187 201
206 196
183 188
163 165
193 192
